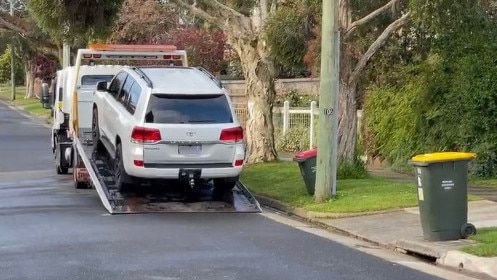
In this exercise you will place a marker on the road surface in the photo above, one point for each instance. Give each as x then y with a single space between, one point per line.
49 230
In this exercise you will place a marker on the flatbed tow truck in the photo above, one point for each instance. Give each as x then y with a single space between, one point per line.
92 167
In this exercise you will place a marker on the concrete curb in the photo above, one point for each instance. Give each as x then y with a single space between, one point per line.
313 218
464 261
452 259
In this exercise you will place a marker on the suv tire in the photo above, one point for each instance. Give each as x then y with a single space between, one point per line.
222 186
119 172
95 131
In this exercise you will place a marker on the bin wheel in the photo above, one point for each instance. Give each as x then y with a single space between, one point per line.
467 230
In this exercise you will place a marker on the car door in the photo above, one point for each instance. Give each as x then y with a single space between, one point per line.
105 111
118 114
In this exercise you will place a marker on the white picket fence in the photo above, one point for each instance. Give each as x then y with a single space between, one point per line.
287 117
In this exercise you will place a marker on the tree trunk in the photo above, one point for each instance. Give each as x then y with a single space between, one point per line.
259 80
30 80
347 104
347 122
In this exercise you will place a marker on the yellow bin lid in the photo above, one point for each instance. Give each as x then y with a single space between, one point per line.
443 156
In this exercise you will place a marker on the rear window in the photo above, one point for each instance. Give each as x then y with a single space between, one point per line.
171 109
92 80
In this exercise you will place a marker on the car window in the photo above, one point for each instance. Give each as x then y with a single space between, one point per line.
168 108
92 80
124 94
134 95
117 83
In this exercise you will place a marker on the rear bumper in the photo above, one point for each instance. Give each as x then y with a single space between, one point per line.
206 172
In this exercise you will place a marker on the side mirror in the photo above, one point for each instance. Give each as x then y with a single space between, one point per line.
102 86
45 96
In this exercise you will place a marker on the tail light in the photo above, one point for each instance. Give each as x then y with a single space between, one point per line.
234 134
143 135
138 163
238 162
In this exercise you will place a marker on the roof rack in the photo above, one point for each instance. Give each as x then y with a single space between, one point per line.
143 76
212 77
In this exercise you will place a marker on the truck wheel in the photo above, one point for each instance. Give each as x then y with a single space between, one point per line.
222 186
119 172
61 170
95 131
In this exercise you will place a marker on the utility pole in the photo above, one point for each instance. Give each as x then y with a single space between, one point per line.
66 55
12 60
329 86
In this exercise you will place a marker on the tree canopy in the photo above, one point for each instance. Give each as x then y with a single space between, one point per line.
74 19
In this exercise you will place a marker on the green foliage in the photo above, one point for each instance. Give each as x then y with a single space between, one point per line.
296 139
5 62
143 22
287 32
443 16
286 35
296 99
72 19
355 169
447 103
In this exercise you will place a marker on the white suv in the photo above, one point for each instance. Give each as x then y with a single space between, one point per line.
168 123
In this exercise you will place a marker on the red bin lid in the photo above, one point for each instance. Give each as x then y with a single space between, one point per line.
306 154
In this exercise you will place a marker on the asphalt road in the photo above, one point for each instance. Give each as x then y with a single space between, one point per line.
48 230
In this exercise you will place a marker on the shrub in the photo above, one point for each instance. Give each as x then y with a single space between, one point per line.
296 139
355 169
295 99
5 68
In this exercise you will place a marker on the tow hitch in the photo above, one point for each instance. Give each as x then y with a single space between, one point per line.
190 175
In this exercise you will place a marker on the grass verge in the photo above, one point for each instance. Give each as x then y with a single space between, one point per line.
282 181
32 105
484 183
487 243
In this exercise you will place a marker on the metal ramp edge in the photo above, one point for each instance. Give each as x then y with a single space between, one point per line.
96 184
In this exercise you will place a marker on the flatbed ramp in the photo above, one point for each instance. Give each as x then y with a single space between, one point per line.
157 199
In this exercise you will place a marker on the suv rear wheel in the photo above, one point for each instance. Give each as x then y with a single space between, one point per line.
95 131
119 172
223 186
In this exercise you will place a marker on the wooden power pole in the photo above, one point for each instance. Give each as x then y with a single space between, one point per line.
327 142
12 59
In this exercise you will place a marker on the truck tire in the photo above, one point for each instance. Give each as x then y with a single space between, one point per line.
119 172
61 170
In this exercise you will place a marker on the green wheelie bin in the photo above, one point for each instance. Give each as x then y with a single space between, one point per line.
442 183
307 165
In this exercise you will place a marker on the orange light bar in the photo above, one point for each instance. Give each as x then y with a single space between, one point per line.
114 47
